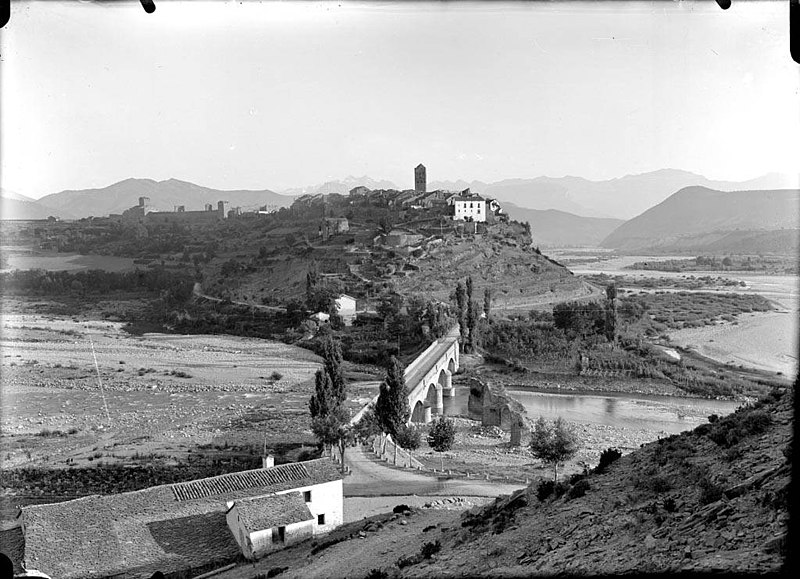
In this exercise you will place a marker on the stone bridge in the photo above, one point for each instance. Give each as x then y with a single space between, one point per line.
429 377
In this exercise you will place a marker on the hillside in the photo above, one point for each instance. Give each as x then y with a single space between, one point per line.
553 228
16 206
702 219
711 500
164 196
622 198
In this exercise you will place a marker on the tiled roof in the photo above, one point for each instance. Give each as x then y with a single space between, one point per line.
260 513
470 198
12 544
98 536
277 478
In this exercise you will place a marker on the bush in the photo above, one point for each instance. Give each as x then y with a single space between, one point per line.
669 505
660 484
430 549
276 376
607 458
544 489
709 492
578 490
399 509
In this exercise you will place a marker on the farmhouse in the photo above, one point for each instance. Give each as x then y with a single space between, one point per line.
190 526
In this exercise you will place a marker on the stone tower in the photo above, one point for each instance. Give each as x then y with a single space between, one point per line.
420 184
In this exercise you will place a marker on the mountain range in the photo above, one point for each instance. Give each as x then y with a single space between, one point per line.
621 198
703 219
163 196
554 228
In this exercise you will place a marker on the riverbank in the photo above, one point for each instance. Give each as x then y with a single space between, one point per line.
764 342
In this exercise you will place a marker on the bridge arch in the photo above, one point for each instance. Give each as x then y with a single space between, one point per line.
451 366
419 414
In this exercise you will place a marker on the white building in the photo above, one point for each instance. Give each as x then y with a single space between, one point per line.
270 522
469 208
346 307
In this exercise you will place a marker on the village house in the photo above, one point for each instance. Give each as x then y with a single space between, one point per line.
333 226
469 208
346 307
180 527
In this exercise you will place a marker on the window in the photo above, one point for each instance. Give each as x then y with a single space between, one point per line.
470 205
321 519
307 496
278 534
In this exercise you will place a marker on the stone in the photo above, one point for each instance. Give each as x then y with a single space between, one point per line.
650 542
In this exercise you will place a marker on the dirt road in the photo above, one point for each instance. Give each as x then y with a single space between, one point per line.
370 478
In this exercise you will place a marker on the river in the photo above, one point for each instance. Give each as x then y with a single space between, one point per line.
658 414
765 341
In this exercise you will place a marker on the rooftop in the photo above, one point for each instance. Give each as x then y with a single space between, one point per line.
259 513
96 536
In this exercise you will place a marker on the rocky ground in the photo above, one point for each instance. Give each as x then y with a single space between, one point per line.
683 504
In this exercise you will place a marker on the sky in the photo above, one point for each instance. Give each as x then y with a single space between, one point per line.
264 95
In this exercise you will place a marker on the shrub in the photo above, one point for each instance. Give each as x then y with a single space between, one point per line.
544 489
578 490
607 457
709 492
377 574
276 376
660 484
713 418
757 421
669 505
430 549
399 509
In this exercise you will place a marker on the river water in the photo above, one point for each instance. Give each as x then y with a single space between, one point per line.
671 414
765 341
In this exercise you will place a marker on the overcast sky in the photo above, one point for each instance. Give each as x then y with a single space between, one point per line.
260 95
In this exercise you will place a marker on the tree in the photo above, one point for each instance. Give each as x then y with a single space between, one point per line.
472 326
368 426
441 435
461 304
610 327
392 408
334 429
487 301
409 438
330 421
554 443
332 355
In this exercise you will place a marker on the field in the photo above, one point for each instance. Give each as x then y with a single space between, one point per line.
165 399
68 262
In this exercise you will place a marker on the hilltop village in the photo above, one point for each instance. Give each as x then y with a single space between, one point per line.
219 463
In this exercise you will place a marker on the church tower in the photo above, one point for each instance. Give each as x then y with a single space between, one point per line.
420 183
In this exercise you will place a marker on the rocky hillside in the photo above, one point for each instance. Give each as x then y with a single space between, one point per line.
164 196
701 219
714 499
502 260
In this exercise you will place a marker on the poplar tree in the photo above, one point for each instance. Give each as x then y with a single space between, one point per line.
329 418
487 301
392 408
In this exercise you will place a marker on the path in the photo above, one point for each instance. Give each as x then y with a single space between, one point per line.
370 478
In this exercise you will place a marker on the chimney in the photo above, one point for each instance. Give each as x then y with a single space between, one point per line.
267 461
